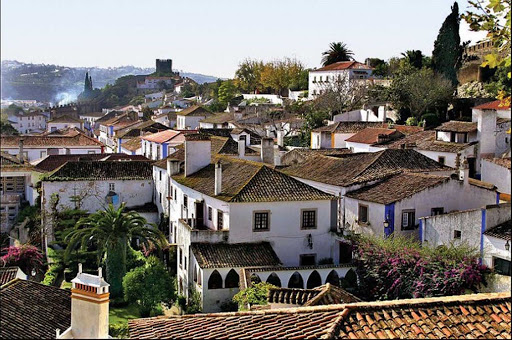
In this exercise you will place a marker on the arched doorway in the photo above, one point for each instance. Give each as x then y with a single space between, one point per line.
273 279
296 281
333 278
314 280
215 280
232 279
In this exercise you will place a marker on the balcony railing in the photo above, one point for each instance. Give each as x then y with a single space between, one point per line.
201 233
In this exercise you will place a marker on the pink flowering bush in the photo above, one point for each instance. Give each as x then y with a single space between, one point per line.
400 268
26 256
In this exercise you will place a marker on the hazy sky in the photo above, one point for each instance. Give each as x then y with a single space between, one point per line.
212 37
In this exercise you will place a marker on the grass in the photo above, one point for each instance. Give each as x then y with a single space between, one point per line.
123 314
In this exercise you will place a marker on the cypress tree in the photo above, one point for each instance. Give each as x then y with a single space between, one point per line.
87 83
447 54
90 83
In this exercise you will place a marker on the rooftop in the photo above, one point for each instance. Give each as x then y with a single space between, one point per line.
134 130
464 316
504 162
132 144
53 162
65 119
74 138
502 231
247 181
457 126
494 105
225 255
323 295
350 127
32 310
164 136
219 118
194 110
345 65
349 169
91 170
374 135
8 274
426 140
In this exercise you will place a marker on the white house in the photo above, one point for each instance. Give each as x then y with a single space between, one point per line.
161 144
233 205
165 117
151 83
64 122
109 128
375 114
189 118
496 253
395 204
92 185
325 77
132 146
368 140
35 147
136 130
27 122
89 120
497 171
335 135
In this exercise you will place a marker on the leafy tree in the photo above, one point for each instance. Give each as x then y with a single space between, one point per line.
253 295
312 120
380 67
148 286
342 94
337 51
227 92
414 58
111 231
6 129
25 256
447 54
248 75
147 113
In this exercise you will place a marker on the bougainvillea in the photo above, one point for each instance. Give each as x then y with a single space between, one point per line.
26 256
400 268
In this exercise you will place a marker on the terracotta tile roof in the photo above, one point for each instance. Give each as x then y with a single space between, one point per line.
426 140
323 295
350 169
373 135
65 119
481 184
194 110
8 274
227 146
91 170
396 188
504 162
494 105
162 136
408 130
53 162
8 159
132 144
32 310
344 65
246 181
77 139
349 127
457 126
225 255
502 231
144 126
464 316
219 118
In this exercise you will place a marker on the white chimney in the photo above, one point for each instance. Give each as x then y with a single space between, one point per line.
173 167
382 113
267 150
197 153
280 138
486 127
464 172
241 148
218 178
89 307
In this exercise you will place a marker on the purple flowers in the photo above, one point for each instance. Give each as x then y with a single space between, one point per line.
26 256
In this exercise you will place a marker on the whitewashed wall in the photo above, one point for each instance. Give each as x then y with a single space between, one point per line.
497 175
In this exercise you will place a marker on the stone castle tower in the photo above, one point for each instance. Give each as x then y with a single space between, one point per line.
164 66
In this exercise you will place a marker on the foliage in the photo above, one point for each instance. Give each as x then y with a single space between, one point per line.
148 286
447 53
248 76
226 92
342 94
380 67
494 18
194 302
430 119
229 306
411 121
414 58
401 268
51 275
110 231
25 256
118 330
337 51
147 113
134 259
253 295
312 120
6 129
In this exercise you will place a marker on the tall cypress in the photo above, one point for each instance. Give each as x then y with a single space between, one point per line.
447 54
87 83
90 83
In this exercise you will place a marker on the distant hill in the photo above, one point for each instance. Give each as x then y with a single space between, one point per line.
54 83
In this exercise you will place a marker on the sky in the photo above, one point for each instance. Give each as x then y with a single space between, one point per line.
212 37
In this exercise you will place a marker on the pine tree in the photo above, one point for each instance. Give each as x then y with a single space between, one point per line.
447 54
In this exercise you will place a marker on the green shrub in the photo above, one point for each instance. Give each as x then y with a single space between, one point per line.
254 295
51 275
194 302
229 306
134 259
411 121
118 330
431 119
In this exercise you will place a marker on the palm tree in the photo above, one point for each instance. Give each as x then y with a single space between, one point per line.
414 58
337 51
111 231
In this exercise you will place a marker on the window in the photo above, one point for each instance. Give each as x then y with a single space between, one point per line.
457 234
160 194
261 221
363 213
408 219
185 201
501 266
111 187
215 280
307 259
160 174
220 220
308 219
232 279
436 211
210 213
42 154
441 159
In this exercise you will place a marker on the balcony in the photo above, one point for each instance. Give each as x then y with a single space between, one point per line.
199 233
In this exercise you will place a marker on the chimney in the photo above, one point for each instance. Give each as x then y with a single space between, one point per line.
267 150
241 148
173 167
382 113
89 307
20 155
464 172
486 126
280 138
198 152
218 178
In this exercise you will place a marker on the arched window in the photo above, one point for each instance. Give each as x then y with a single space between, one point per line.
273 279
333 278
296 281
215 280
255 278
314 280
232 279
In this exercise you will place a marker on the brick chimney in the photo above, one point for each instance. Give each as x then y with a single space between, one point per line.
198 152
89 307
